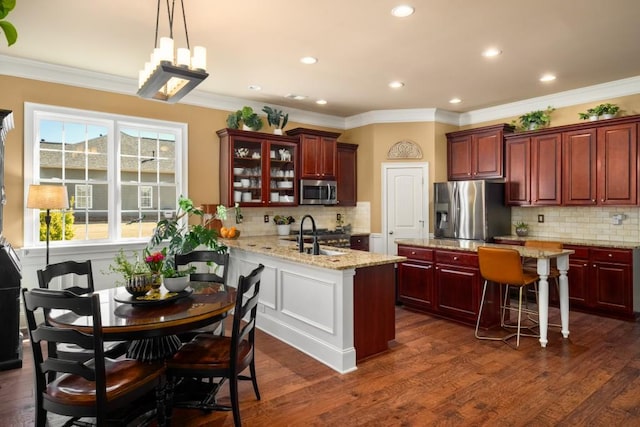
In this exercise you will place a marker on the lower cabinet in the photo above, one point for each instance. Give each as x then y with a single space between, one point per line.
601 281
447 284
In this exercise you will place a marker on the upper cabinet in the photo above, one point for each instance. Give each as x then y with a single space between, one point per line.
585 164
317 153
257 169
347 174
477 153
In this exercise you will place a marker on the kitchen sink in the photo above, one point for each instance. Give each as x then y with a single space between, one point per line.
330 252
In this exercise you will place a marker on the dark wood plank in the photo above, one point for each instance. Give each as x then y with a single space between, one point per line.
434 373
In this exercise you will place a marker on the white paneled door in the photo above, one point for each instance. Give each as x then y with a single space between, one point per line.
405 201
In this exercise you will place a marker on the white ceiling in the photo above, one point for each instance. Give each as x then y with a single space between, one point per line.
360 47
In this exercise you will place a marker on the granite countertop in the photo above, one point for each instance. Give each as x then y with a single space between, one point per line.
472 246
578 242
278 247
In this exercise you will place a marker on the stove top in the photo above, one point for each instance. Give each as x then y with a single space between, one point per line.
321 232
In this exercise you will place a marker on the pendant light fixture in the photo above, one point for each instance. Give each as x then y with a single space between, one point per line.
171 74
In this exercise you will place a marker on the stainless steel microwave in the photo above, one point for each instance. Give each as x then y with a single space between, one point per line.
318 192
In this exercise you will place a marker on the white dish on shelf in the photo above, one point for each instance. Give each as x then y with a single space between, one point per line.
246 197
275 197
245 182
286 199
285 184
237 184
238 171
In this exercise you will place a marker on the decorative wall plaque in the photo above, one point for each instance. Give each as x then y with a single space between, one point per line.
405 150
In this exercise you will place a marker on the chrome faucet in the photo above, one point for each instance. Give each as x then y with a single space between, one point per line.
316 246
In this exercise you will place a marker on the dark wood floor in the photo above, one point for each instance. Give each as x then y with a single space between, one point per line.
436 373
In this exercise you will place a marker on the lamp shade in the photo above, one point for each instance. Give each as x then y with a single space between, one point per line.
47 197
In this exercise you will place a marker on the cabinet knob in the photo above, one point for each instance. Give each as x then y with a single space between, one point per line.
594 265
593 200
610 255
586 265
413 252
455 258
602 200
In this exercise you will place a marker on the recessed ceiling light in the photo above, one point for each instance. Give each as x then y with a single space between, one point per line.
255 87
491 52
294 96
402 11
396 85
455 101
308 60
321 102
547 78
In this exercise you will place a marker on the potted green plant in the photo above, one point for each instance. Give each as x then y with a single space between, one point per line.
10 32
522 228
607 111
247 117
535 119
276 118
591 115
283 224
182 236
135 272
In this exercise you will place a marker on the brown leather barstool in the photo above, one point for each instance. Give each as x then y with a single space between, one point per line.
504 267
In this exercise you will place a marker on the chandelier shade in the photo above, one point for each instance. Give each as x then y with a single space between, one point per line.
171 74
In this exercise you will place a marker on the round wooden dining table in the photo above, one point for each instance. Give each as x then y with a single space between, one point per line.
151 324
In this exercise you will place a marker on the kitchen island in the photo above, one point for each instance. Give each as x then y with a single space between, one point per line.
442 277
337 308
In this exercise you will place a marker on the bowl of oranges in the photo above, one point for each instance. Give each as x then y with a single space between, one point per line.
229 233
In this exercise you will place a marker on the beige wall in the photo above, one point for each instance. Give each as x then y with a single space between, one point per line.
374 140
203 123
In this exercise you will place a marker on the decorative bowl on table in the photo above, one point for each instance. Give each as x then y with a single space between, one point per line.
176 284
139 284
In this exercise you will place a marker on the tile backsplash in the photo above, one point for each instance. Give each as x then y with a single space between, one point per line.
594 223
325 217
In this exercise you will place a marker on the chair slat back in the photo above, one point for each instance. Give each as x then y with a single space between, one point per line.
52 271
500 265
248 292
221 259
48 299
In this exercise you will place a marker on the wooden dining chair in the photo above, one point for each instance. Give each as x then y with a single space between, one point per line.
223 357
80 272
504 267
97 388
216 265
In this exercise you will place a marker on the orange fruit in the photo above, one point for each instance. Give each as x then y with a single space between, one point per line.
232 232
224 232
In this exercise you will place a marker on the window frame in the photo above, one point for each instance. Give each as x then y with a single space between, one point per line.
143 197
114 122
85 198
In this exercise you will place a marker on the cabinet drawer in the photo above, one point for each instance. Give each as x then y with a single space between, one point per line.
457 258
413 252
611 255
581 252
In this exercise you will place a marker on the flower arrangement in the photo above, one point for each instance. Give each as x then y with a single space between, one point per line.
283 220
128 267
155 261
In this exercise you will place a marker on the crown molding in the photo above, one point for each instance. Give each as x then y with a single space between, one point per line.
599 92
36 70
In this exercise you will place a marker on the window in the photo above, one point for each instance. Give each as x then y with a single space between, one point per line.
122 173
84 196
145 198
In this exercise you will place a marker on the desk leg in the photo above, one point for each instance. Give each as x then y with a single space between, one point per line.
563 267
543 299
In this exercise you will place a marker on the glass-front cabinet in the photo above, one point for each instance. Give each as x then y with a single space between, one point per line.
257 169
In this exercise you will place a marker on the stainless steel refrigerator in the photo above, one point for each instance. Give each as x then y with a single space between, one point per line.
471 210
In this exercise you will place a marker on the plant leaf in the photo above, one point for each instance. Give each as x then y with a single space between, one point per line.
10 32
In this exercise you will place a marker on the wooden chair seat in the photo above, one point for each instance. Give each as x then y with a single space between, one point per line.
123 377
207 352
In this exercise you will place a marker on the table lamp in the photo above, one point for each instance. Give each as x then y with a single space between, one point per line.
47 197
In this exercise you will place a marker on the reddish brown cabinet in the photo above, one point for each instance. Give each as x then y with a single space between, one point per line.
359 242
318 151
586 164
445 283
533 170
601 165
346 178
257 169
476 153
